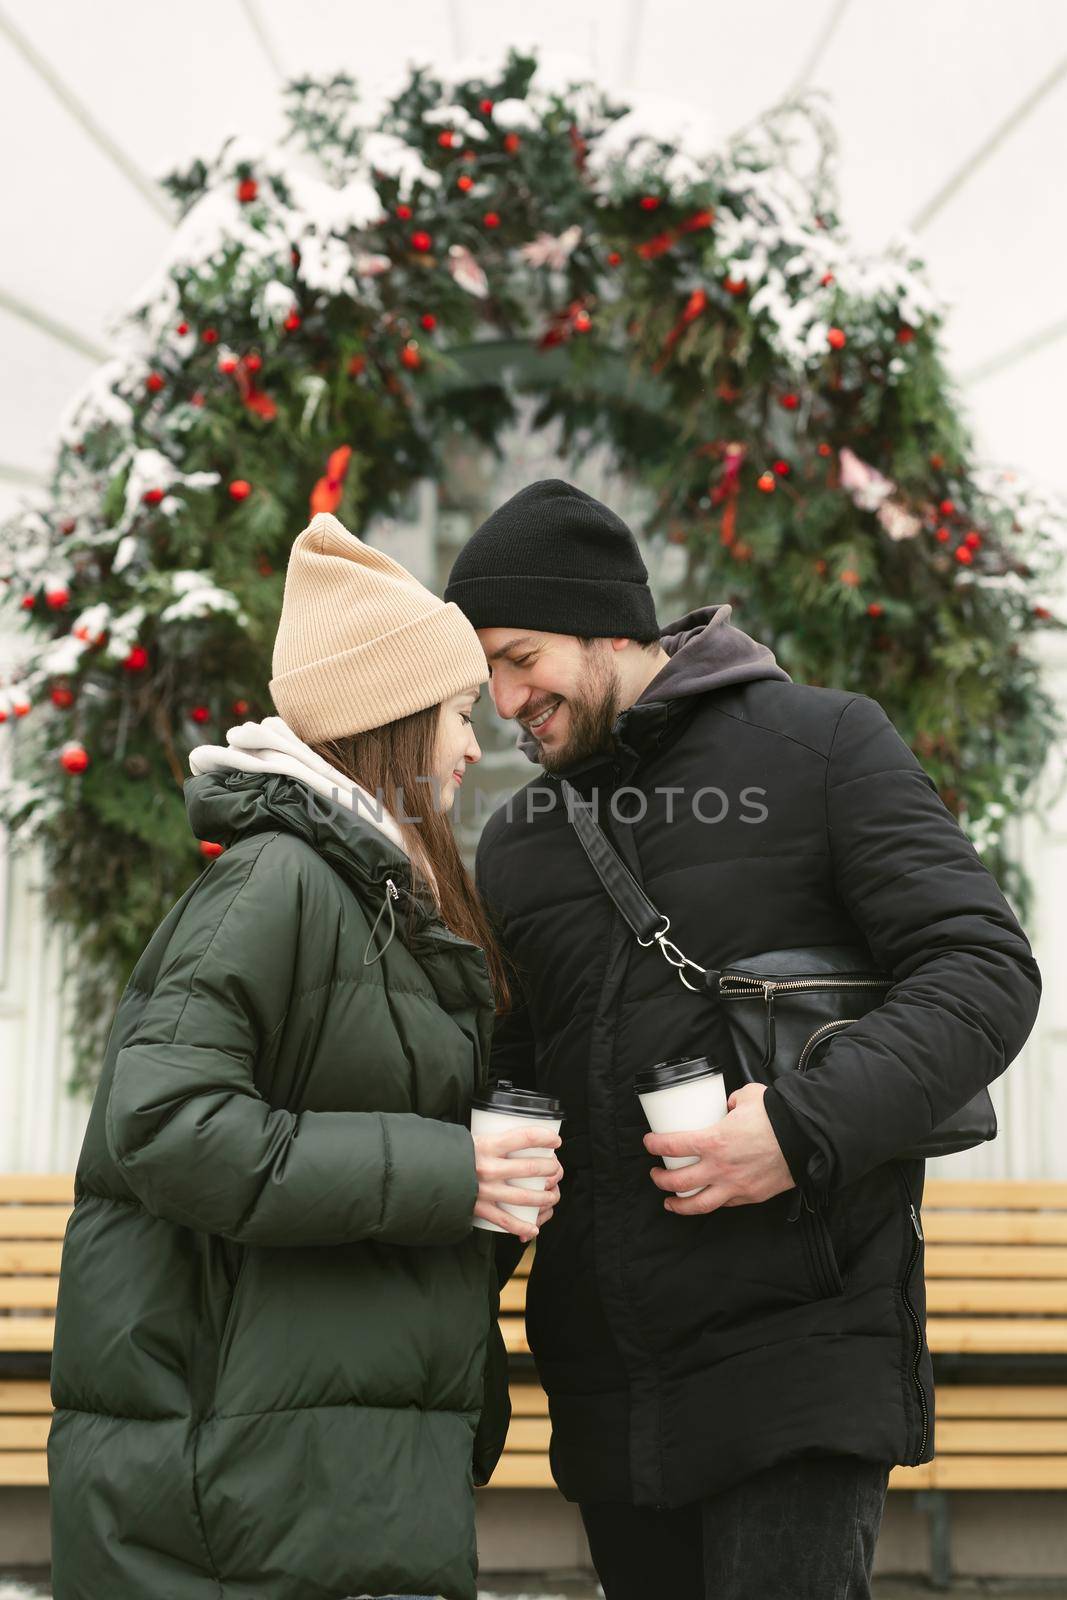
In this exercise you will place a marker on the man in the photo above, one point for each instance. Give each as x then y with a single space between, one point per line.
727 1394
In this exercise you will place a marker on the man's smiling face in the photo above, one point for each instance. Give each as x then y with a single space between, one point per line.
565 693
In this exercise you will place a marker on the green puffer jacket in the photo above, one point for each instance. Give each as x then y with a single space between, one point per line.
277 1372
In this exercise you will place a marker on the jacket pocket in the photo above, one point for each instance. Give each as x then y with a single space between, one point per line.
822 1257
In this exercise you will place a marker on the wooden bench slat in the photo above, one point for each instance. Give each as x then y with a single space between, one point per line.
21 1469
519 1471
997 1472
974 1436
1020 1400
997 1336
33 1222
528 1400
995 1296
997 1193
995 1227
24 1433
29 1257
1018 1261
25 1394
529 1433
38 1293
27 1187
26 1333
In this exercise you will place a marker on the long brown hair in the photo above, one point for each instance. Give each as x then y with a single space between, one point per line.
390 761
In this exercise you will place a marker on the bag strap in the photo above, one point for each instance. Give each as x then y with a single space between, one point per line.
648 925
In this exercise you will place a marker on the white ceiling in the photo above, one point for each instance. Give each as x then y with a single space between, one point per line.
919 90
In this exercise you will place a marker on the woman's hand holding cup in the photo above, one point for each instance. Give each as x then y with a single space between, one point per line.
497 1169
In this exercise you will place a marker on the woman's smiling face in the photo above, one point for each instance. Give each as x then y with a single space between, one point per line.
456 747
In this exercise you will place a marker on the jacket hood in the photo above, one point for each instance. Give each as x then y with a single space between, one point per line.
272 746
706 652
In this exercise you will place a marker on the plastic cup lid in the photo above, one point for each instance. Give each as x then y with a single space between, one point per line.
520 1102
685 1069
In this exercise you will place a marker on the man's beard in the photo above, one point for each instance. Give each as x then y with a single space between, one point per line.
592 714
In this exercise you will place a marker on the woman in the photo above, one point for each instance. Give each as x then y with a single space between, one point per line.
277 1371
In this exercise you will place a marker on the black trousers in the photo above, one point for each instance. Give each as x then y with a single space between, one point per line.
803 1530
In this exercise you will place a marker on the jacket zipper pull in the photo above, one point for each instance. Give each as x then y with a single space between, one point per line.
916 1224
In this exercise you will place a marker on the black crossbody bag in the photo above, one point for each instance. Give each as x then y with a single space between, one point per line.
773 1012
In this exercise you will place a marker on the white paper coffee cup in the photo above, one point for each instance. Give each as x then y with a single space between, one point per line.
506 1107
682 1096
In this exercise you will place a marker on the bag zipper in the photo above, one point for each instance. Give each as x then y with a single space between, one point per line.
819 1034
748 986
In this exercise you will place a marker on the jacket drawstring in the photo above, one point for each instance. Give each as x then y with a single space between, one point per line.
391 894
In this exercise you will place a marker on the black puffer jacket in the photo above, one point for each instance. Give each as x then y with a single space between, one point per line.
682 1353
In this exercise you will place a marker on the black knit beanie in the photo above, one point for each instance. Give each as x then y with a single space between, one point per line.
554 559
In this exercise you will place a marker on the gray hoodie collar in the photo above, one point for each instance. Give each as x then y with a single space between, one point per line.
706 652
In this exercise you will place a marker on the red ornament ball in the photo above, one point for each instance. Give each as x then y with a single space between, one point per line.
963 555
154 382
200 714
511 143
875 610
152 497
292 322
734 285
240 489
137 659
485 106
942 536
491 219
74 757
209 848
464 182
228 364
62 697
428 321
782 468
21 708
850 576
247 190
905 335
582 322
28 602
410 356
937 461
240 708
947 508
210 336
183 327
404 213
253 362
650 202
57 598
827 279
614 258
972 540
766 482
356 365
421 241
837 339
826 450
446 138
789 402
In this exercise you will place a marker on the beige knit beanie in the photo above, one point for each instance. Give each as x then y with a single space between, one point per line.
361 642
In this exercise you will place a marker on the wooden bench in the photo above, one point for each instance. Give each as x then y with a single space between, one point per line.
996 1269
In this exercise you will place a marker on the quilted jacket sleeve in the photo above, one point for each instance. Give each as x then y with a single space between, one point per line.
967 985
198 1143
